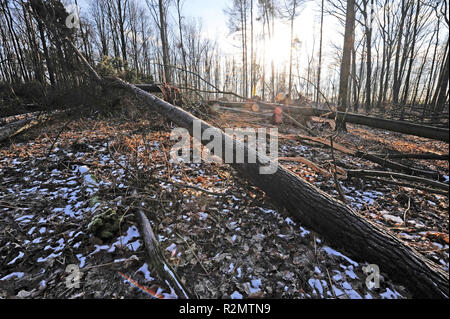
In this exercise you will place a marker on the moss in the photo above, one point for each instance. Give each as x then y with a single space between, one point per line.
105 225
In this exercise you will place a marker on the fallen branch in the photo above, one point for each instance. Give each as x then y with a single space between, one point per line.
428 182
424 156
303 127
18 127
335 178
308 163
405 184
371 158
158 261
440 134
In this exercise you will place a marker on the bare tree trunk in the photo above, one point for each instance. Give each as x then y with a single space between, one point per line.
343 227
345 64
319 67
164 42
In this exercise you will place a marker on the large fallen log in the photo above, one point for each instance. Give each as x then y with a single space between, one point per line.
416 179
15 128
291 109
10 129
18 127
344 228
150 88
17 117
440 134
422 156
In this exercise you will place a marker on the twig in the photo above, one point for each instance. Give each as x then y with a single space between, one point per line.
336 182
193 252
182 185
407 210
120 164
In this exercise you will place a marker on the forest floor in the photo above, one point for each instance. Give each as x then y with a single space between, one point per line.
74 203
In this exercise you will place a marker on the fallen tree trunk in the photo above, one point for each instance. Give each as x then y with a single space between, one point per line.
424 156
406 184
10 129
371 158
18 127
363 240
158 261
224 108
440 134
150 88
17 117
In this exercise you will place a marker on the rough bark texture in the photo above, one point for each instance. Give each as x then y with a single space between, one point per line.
157 259
429 182
440 134
344 228
424 156
10 129
150 88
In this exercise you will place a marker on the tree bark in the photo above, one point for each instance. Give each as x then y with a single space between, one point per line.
440 134
345 64
346 229
343 227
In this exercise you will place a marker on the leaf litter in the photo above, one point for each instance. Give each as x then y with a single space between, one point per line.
235 244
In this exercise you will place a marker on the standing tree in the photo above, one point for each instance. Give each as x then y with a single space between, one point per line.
158 9
291 11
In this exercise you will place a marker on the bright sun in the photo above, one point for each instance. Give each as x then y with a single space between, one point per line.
278 49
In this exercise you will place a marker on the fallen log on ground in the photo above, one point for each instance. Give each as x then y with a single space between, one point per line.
224 108
15 128
150 88
406 184
8 130
371 158
158 261
344 228
440 134
18 127
428 182
424 156
17 117
292 109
